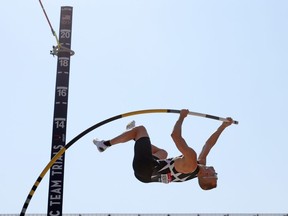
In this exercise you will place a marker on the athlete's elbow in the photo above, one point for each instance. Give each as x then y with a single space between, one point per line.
176 136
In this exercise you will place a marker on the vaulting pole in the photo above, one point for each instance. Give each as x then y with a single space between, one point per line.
99 124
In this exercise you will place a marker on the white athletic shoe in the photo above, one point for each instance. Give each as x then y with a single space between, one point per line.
130 125
100 145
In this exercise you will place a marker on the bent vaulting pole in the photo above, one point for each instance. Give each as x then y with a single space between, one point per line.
88 130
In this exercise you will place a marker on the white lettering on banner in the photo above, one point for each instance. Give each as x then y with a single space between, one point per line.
54 202
57 167
56 193
54 214
56 173
56 183
55 197
62 91
65 33
59 161
64 61
57 147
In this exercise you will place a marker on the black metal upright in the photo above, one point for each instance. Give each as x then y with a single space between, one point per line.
56 182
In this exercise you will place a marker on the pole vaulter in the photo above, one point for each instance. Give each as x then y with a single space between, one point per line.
99 124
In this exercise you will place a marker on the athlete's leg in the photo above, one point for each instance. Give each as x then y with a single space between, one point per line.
159 153
143 161
133 134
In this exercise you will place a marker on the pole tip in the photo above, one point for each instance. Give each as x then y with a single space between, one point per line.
235 122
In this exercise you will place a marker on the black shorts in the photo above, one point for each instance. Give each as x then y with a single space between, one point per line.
143 162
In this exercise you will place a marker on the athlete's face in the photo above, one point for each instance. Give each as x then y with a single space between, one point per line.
209 173
208 177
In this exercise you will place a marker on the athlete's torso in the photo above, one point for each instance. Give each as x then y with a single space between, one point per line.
164 171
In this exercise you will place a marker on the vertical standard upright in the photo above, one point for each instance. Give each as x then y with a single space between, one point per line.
56 182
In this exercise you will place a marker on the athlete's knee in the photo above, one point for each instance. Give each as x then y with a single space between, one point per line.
140 132
140 128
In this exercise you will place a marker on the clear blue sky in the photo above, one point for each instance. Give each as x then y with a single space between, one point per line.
222 57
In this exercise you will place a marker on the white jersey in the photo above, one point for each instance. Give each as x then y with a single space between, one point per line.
164 171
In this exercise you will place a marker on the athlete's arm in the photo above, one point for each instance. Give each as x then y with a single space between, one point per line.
188 162
212 141
177 132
